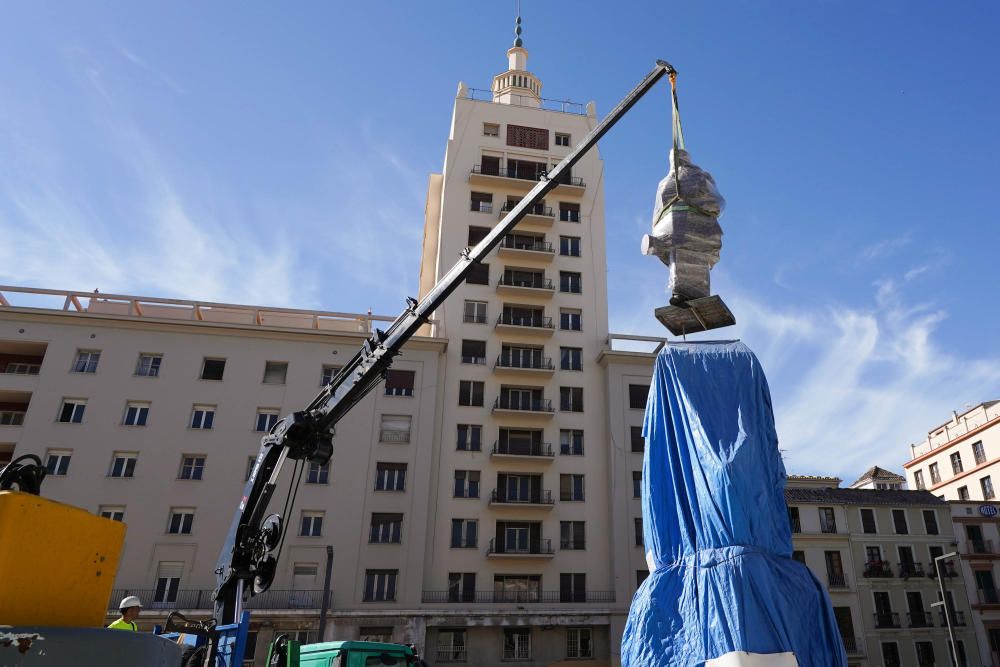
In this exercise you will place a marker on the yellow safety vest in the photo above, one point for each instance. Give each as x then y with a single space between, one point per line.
122 624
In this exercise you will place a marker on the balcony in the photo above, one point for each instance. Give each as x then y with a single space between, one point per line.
541 499
828 528
20 363
851 644
533 325
979 547
535 285
948 566
907 570
535 407
522 248
532 450
13 407
988 596
524 365
538 216
879 569
521 178
534 549
202 599
836 580
567 215
886 620
515 597
389 435
957 619
920 619
795 524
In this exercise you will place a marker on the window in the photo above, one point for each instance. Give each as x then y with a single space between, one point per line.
181 519
149 365
987 485
572 587
571 442
572 535
638 532
978 452
918 479
569 212
399 383
72 410
202 416
571 358
638 442
570 281
935 473
464 533
312 524
135 414
528 137
57 461
571 399
899 522
579 641
395 428
868 521
570 320
491 130
329 372
930 522
481 202
386 529
213 369
123 464
168 580
22 368
266 419
570 487
475 312
517 644
390 476
113 512
569 246
793 520
562 139
956 462
11 417
461 587
380 585
890 654
963 493
925 654
477 234
318 473
637 396
250 652
275 372
963 660
834 569
466 483
470 393
473 351
636 483
799 556
641 576
479 274
451 646
470 437
86 361
193 466
827 520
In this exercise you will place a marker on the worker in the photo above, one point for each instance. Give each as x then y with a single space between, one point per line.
130 608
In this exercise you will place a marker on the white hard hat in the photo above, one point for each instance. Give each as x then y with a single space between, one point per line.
130 601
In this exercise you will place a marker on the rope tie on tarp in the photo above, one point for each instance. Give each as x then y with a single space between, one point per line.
712 557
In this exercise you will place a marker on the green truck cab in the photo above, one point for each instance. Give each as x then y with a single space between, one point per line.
288 653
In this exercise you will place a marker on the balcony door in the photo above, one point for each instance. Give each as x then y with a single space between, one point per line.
915 605
303 584
883 609
521 357
986 587
517 537
524 443
519 488
834 568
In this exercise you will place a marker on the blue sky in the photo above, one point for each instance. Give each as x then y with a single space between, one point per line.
277 153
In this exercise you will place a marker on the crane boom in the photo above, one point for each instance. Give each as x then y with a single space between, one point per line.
248 559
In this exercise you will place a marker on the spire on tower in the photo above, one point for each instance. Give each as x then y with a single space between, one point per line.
517 27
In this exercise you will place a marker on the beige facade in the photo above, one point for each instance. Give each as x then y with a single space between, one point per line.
480 505
872 549
977 533
960 459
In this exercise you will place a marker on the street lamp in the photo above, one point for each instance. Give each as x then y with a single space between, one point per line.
938 567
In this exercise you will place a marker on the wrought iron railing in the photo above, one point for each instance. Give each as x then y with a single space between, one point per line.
540 497
541 546
529 362
907 570
539 449
980 546
390 435
513 597
535 282
537 321
537 209
836 580
886 619
534 246
878 569
523 404
920 619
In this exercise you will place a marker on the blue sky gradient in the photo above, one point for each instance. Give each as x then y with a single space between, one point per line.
278 154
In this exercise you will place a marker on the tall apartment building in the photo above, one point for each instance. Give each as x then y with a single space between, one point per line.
977 533
960 459
874 549
483 504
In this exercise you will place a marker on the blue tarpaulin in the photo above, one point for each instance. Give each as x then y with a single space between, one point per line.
715 524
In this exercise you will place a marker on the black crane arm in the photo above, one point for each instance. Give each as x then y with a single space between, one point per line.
248 558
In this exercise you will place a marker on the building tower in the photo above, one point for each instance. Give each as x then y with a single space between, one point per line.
522 503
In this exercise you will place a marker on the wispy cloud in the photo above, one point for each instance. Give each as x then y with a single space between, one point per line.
884 248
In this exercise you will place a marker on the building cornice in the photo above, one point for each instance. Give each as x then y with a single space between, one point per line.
950 443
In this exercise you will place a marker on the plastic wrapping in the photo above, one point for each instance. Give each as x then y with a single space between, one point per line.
715 525
686 233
